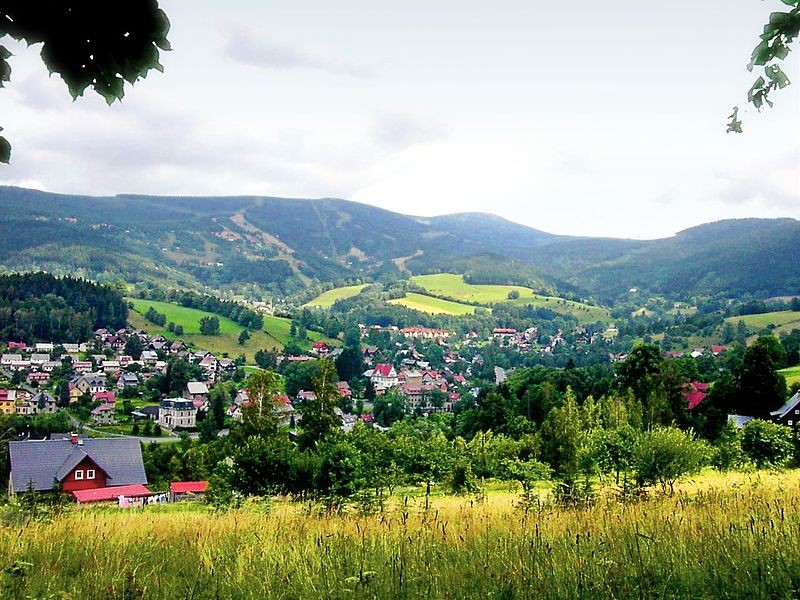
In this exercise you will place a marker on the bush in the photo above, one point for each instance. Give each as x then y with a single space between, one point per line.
664 454
767 444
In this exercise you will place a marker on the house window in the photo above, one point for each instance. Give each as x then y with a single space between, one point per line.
79 474
790 423
89 473
797 412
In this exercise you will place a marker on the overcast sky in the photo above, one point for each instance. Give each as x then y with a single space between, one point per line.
584 117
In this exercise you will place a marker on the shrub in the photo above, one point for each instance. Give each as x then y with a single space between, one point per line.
767 444
664 454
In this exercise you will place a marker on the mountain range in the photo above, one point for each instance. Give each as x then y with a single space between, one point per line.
282 246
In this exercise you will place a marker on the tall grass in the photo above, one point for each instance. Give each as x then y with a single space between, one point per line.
730 538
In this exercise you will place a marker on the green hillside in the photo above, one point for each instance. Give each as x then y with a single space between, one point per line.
779 321
453 286
432 305
792 374
274 336
278 247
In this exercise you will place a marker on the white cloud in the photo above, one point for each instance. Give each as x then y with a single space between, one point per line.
248 48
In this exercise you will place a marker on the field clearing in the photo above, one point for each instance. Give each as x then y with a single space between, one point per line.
453 286
274 336
784 320
432 305
792 374
730 536
326 299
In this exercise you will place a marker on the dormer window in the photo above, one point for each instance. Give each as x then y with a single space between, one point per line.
78 474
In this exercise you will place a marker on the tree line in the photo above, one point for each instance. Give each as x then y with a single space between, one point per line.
42 307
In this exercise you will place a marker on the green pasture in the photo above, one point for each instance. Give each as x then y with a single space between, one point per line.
453 286
274 336
782 321
792 374
432 305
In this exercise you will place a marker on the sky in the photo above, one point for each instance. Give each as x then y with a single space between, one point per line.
582 118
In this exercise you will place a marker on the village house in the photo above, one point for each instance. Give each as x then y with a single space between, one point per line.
148 357
7 359
177 413
127 380
789 413
383 376
197 392
37 360
45 347
320 348
50 365
8 399
113 465
38 377
187 490
103 414
44 403
90 383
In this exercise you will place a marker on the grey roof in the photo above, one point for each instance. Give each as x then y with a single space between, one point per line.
45 462
196 387
44 398
177 404
791 403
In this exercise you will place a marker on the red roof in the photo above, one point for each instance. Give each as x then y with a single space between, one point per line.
383 370
105 397
694 399
188 487
112 493
699 386
320 345
718 349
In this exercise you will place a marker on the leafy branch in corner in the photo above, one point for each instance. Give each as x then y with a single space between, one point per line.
87 42
781 30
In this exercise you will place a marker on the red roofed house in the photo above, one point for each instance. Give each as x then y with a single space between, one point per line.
184 490
109 494
17 345
107 397
695 392
717 350
344 389
79 465
320 348
383 376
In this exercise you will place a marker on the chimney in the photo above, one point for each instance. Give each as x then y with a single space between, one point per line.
73 437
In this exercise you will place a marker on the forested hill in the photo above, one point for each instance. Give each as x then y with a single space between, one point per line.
41 307
282 245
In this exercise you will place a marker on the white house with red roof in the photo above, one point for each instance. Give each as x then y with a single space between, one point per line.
382 376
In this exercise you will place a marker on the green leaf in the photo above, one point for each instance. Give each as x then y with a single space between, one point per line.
734 125
776 75
4 53
5 150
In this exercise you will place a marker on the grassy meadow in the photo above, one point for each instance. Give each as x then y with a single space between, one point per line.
432 305
453 286
326 299
792 374
783 321
732 536
274 336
